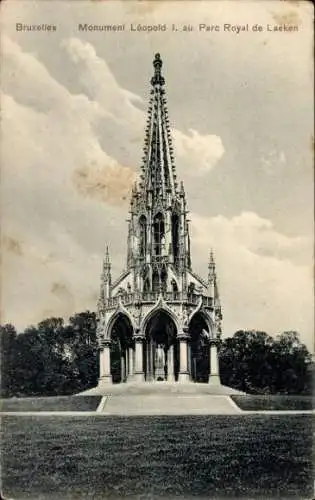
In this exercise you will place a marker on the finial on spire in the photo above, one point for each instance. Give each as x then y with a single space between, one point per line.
211 260
157 79
106 258
211 256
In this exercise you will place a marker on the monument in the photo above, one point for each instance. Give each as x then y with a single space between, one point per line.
164 318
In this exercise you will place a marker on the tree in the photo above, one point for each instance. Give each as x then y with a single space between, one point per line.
8 336
82 349
52 358
255 362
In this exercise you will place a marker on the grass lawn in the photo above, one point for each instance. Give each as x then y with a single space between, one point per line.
274 402
54 403
157 457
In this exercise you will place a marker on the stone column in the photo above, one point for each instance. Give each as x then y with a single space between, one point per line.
183 375
105 375
214 375
131 369
122 367
127 363
152 357
151 362
170 364
147 360
189 362
139 373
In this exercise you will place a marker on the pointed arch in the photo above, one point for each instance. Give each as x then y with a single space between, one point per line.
158 233
159 307
119 314
199 329
142 235
206 317
175 236
155 281
120 331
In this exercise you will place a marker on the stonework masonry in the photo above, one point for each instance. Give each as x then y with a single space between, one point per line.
162 318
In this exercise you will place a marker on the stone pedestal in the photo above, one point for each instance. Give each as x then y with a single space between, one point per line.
139 372
183 375
214 374
105 374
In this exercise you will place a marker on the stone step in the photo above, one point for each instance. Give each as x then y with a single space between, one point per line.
165 388
160 404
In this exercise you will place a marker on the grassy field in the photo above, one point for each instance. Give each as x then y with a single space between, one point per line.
272 402
55 403
102 457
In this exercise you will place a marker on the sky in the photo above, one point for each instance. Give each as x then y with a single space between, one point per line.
73 117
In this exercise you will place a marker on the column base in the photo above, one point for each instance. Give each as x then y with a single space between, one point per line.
214 380
183 377
138 377
106 380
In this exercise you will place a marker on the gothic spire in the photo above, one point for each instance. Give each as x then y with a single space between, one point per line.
106 276
158 168
211 266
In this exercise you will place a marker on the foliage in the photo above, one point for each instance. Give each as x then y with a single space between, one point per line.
52 358
57 358
256 363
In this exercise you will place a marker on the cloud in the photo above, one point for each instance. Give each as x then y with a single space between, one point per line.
196 152
110 184
265 276
199 152
64 153
46 279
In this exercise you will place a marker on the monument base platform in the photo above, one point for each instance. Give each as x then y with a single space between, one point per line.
153 388
164 398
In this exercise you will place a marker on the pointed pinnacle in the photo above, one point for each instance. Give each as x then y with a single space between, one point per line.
211 259
107 255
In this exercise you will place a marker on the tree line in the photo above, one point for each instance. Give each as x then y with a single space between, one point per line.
58 358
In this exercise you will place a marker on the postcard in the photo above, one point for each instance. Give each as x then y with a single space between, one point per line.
157 193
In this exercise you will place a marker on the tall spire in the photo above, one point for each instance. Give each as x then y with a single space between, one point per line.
106 263
158 168
211 276
106 275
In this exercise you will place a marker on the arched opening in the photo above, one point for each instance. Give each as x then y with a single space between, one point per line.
143 236
174 286
122 349
199 348
146 285
158 234
175 237
161 349
155 281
